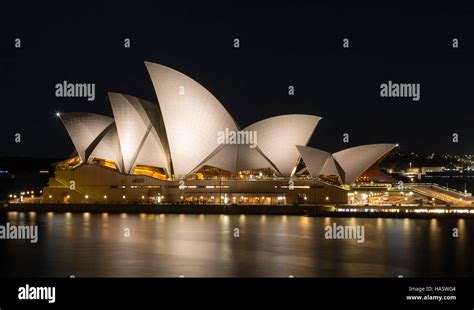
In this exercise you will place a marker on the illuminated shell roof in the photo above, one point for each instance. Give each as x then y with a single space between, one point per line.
180 135
85 130
192 117
353 161
136 122
356 160
278 136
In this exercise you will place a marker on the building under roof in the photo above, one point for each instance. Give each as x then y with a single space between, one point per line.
147 151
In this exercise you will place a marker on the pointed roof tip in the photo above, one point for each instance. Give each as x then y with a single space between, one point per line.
152 63
286 116
113 93
304 147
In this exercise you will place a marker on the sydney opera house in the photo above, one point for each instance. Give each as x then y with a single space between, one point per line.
188 149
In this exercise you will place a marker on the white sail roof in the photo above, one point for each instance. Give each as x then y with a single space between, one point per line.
109 148
152 152
314 159
181 135
348 164
136 129
356 160
84 129
192 117
278 136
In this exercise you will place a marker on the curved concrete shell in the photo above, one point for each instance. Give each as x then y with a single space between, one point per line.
331 167
192 117
135 120
319 162
183 133
252 159
356 160
85 130
236 158
224 158
152 153
109 148
314 159
278 136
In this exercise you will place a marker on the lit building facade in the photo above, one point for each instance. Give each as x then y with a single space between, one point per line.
189 149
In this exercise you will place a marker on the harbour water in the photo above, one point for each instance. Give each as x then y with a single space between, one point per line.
140 245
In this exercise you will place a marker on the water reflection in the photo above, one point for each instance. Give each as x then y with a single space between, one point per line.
86 244
406 226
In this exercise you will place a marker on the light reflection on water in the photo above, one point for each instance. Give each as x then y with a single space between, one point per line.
94 245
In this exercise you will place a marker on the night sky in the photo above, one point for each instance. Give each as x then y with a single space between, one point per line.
282 44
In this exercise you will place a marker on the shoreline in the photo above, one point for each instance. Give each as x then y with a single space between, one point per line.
300 210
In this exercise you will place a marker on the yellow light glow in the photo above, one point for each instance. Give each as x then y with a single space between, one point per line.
149 171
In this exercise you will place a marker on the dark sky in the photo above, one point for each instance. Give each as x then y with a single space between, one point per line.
282 43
